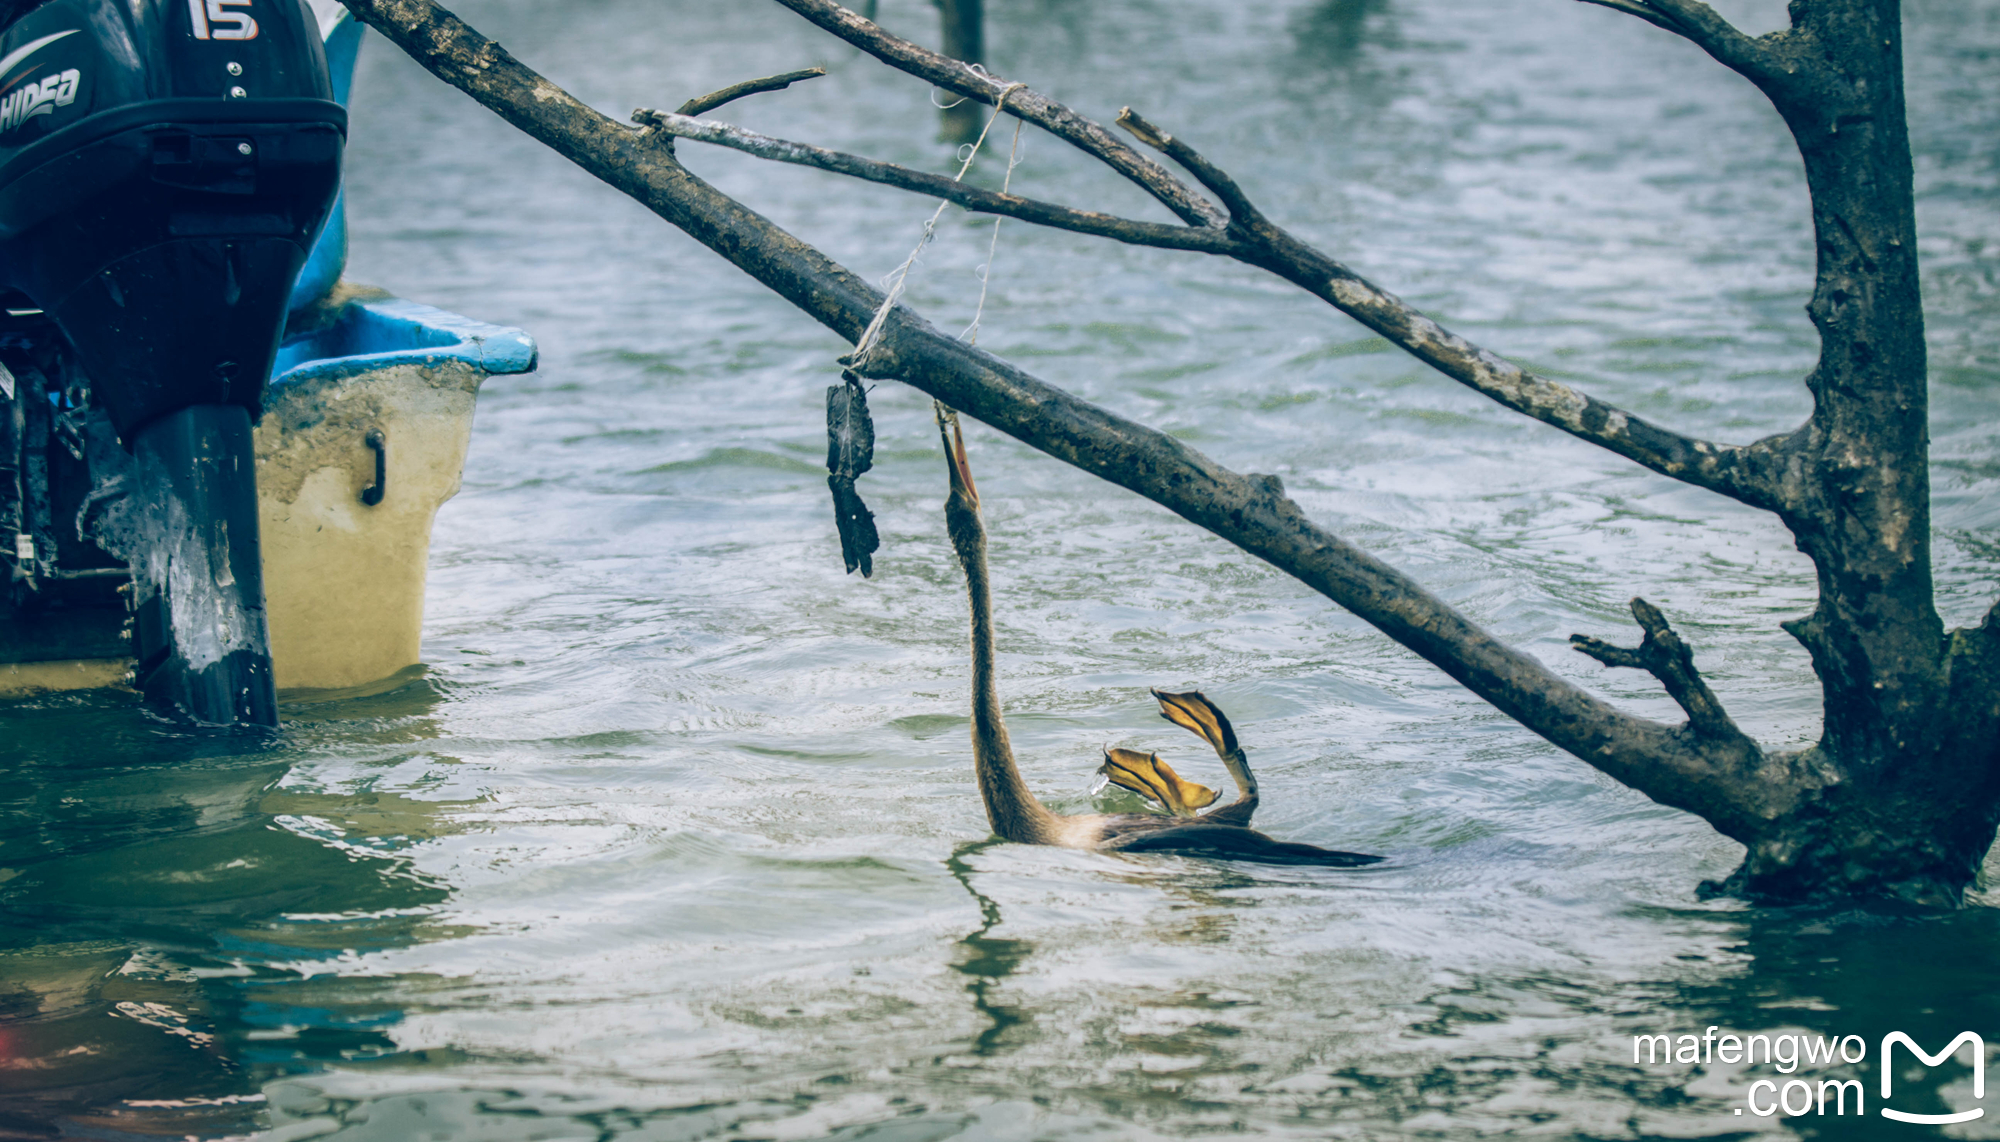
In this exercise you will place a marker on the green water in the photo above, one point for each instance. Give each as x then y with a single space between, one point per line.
675 836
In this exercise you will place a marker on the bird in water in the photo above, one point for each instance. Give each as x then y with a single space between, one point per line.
1015 813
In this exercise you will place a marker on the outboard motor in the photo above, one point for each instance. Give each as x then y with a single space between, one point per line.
165 167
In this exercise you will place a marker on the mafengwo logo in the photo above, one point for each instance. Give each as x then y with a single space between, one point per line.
1798 1097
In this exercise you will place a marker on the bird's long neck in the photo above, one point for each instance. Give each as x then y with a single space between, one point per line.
1239 772
1012 810
1239 811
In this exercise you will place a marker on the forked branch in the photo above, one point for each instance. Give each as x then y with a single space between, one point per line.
1161 234
1746 473
1663 655
1641 9
1031 106
1759 59
1251 238
1208 174
703 104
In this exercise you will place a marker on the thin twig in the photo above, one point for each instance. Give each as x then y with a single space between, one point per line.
1743 473
706 103
1702 24
1161 234
1663 655
1640 9
1065 124
1760 60
1208 174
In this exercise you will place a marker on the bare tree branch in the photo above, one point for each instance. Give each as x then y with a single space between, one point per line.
701 105
1033 107
1744 473
1720 38
1641 9
1254 240
1663 655
1759 59
1734 471
1162 234
1737 472
1208 174
1705 776
1741 472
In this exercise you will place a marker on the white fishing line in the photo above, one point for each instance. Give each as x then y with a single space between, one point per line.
901 273
971 334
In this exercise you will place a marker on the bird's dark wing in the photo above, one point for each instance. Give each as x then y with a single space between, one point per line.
1235 813
1227 842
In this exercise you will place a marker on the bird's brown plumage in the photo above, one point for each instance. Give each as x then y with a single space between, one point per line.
1014 811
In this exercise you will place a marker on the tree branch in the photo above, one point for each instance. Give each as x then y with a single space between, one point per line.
1208 174
1742 473
1641 9
1663 655
1759 59
1033 107
701 105
1705 26
1164 235
1705 776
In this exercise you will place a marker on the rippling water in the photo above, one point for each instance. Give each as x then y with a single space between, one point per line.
675 837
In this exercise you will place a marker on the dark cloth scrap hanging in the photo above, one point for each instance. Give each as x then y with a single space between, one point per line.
850 451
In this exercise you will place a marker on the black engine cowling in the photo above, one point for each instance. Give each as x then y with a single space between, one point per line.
165 167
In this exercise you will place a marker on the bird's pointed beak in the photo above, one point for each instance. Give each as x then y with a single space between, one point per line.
1155 780
954 452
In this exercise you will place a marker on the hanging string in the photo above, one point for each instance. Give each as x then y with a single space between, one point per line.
971 334
901 273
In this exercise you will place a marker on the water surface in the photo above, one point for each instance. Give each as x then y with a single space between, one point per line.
675 836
